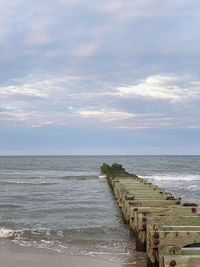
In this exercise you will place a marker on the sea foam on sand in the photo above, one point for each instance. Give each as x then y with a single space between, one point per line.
13 255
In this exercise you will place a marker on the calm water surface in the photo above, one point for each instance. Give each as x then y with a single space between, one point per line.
61 203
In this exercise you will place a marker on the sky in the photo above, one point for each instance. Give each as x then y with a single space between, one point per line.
99 77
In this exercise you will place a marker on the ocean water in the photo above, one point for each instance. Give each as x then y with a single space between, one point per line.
63 203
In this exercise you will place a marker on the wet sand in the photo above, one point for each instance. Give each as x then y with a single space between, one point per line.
14 255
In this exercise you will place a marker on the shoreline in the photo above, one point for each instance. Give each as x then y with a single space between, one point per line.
15 255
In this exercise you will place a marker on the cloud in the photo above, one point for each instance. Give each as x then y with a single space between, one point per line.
26 90
161 87
117 65
105 115
87 50
164 101
114 40
127 64
38 34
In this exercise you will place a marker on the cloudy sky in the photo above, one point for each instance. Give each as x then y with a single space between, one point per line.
99 77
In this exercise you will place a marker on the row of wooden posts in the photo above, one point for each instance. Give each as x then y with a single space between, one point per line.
168 230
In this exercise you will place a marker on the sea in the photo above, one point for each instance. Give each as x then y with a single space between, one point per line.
64 203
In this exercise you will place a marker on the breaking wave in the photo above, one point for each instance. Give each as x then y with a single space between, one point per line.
173 177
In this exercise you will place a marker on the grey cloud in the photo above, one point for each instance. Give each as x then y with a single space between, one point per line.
63 62
66 60
86 38
157 101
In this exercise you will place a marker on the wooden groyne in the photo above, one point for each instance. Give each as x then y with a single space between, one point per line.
164 227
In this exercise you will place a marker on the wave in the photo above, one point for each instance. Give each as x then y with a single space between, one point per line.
9 206
102 176
113 251
90 241
6 233
26 183
173 177
73 234
80 177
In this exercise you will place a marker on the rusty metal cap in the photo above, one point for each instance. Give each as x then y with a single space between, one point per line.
173 263
156 235
156 243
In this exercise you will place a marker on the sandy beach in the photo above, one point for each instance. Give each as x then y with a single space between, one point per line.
14 255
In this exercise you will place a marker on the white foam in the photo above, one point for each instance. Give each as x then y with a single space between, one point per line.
173 177
6 233
102 176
